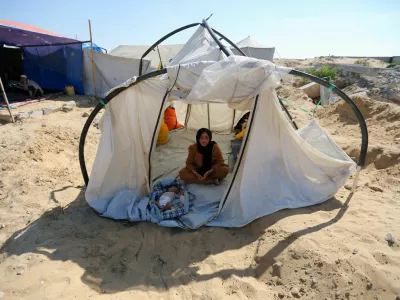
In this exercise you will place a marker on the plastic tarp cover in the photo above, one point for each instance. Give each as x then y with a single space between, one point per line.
95 47
110 71
217 87
127 130
236 79
55 67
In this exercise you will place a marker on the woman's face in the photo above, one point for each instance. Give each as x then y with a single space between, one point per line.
204 139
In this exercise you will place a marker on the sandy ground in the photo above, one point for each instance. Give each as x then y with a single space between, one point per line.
293 63
53 246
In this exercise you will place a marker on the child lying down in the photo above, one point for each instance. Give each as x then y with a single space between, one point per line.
167 200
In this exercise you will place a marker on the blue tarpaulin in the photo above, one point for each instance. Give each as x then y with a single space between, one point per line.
55 65
95 47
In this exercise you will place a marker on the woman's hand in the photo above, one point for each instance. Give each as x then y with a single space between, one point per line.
208 173
198 176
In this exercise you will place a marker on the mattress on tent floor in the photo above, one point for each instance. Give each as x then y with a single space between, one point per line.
169 159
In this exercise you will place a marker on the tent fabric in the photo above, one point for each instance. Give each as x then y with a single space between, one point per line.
54 67
196 85
280 167
249 42
199 44
252 48
127 130
200 47
167 52
110 71
22 35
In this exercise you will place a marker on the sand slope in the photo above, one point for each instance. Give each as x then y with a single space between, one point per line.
55 247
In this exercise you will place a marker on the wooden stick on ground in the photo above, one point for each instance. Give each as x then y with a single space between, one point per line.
6 99
93 68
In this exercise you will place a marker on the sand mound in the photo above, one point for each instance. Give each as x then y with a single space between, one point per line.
383 122
293 63
338 119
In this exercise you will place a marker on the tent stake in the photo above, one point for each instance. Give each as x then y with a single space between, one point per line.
93 69
6 100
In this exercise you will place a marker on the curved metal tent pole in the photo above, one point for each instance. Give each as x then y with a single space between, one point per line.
163 39
211 32
229 42
96 110
114 93
354 107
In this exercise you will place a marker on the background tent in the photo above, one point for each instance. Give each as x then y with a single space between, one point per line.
252 48
167 52
110 71
248 45
48 58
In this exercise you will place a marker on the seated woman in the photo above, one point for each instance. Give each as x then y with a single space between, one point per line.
205 164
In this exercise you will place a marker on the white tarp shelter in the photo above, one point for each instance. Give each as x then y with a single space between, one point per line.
278 167
252 48
167 52
110 71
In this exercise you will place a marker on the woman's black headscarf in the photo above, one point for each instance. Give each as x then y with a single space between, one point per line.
206 151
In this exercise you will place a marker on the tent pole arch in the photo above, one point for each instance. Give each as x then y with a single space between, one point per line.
161 40
179 30
114 93
96 110
288 113
226 52
349 101
211 32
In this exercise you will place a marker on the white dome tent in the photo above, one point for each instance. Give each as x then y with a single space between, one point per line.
278 166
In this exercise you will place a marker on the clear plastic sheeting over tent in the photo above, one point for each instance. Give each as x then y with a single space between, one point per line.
278 167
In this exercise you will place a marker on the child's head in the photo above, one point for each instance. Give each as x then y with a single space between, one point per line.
173 188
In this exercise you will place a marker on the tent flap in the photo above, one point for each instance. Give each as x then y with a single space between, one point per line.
280 169
127 130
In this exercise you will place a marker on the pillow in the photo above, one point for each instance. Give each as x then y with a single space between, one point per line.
163 134
170 119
